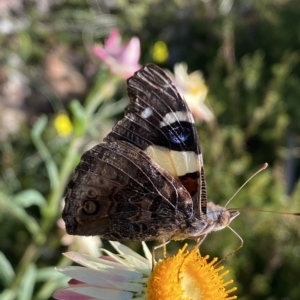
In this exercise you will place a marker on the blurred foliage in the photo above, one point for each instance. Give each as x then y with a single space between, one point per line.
249 54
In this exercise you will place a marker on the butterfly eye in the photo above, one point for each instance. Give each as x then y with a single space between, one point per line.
90 207
92 193
219 218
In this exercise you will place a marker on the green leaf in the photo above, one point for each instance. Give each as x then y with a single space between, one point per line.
49 273
36 133
27 283
8 295
9 207
29 197
7 273
103 90
80 118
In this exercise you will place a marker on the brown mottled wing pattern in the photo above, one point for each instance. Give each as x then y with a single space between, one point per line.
119 193
158 121
146 181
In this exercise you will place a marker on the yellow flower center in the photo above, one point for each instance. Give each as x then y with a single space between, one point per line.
188 276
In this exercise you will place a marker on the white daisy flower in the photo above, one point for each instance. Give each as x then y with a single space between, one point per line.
122 276
184 276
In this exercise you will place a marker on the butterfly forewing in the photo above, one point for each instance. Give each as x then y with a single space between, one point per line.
158 121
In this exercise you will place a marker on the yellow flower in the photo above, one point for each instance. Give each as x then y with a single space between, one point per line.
188 276
160 52
63 124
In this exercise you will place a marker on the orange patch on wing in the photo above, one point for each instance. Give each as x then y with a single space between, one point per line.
190 182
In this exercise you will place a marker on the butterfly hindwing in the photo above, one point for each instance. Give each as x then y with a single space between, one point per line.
120 193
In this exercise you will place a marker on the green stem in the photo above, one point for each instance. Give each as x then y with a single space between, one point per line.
52 209
32 252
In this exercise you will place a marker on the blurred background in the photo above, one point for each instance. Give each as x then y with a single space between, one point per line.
63 71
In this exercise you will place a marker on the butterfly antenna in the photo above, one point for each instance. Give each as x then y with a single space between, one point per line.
261 169
268 211
234 251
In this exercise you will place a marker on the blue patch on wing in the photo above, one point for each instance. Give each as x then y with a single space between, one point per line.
179 135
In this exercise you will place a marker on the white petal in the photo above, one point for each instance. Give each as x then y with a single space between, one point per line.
122 249
131 262
128 286
147 252
91 276
86 275
100 264
83 259
101 279
89 245
100 293
142 267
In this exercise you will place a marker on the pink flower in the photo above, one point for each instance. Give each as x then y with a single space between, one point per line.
121 59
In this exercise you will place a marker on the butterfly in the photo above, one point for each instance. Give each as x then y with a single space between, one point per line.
146 180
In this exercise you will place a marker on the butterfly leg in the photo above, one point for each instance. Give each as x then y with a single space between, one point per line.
165 250
157 247
200 240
